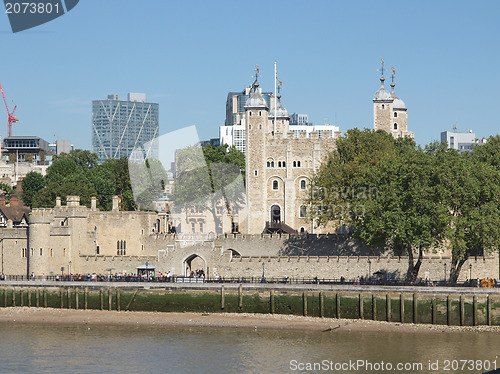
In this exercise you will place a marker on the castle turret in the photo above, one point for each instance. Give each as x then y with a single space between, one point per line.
256 115
382 107
280 116
399 114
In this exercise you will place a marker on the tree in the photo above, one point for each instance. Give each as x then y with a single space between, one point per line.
78 173
385 189
207 177
32 183
470 189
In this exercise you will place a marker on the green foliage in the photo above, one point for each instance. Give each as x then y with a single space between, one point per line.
32 183
398 196
207 177
78 173
6 190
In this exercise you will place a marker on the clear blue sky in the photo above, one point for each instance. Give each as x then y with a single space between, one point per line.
186 55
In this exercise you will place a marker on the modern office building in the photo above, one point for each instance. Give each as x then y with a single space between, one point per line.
299 119
461 141
120 126
61 146
30 149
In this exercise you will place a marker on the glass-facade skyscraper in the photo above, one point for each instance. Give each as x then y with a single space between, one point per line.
119 127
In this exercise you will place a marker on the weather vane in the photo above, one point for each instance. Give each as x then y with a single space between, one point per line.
280 83
393 74
256 71
382 69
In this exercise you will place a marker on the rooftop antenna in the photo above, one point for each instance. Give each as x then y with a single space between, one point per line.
455 126
275 79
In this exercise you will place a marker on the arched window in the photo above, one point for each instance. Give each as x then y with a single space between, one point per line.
295 164
279 164
272 164
284 164
118 244
302 211
303 184
268 164
302 230
260 113
298 164
383 107
275 185
395 126
395 114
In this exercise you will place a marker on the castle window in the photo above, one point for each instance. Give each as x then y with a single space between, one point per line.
272 164
383 106
124 244
284 164
260 127
201 226
250 113
260 113
275 185
256 172
303 184
117 244
298 164
395 114
97 250
40 251
295 164
279 164
302 230
302 211
193 228
395 126
117 252
268 164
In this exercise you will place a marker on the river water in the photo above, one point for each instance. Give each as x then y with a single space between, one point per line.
99 349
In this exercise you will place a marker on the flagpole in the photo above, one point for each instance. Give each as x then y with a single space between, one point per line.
275 77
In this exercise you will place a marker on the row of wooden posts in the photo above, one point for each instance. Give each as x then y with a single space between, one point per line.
41 301
338 313
40 297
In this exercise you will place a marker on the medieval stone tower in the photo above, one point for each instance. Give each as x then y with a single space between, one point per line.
389 111
279 164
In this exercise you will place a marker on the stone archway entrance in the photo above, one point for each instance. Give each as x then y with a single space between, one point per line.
194 263
275 214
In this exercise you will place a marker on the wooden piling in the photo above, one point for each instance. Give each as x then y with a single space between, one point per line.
13 297
415 308
44 294
462 310
401 308
434 309
337 304
474 310
240 297
321 305
61 298
388 307
101 297
448 310
222 298
68 295
29 298
110 299
374 307
488 310
360 299
85 298
37 296
21 296
304 303
76 299
118 299
271 301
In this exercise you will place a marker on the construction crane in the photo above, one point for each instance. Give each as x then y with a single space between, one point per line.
12 119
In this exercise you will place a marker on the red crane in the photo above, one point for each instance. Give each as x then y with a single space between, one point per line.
12 119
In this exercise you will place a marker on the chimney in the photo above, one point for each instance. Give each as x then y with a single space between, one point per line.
93 203
58 201
73 201
14 201
116 204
